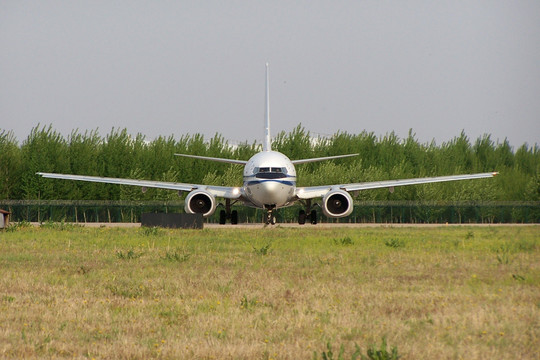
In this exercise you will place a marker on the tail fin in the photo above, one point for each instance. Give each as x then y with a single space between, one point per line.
267 141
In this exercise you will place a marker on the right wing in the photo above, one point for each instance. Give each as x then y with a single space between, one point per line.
303 161
220 191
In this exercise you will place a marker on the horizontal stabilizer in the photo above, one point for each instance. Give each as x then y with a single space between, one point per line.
303 161
229 161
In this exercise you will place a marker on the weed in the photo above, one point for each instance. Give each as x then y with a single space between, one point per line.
62 226
394 243
127 290
12 228
329 355
128 255
150 231
371 354
503 255
265 250
469 235
344 241
246 303
18 225
176 256
382 353
8 298
518 277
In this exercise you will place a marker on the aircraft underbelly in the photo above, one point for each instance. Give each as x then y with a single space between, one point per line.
270 192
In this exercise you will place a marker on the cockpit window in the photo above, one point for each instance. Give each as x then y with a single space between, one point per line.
270 172
274 170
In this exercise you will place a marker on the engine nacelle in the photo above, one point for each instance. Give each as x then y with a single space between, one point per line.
337 203
200 202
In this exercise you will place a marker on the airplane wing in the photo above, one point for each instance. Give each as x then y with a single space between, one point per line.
220 191
310 192
228 161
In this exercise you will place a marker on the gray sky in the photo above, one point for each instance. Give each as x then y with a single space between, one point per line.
177 67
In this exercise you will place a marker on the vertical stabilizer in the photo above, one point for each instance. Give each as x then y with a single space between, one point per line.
267 141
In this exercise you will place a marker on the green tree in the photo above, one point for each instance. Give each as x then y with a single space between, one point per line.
10 166
45 150
83 160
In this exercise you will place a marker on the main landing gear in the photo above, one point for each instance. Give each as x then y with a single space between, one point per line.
227 214
303 216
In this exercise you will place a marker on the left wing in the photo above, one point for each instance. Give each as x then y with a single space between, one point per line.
310 192
220 191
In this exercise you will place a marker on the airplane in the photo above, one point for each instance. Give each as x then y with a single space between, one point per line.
269 183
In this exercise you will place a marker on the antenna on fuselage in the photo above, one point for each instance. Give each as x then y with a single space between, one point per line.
267 141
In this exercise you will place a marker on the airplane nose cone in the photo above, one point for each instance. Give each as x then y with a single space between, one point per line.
270 186
272 193
270 190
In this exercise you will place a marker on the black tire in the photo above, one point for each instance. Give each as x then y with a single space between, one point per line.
301 217
313 217
222 217
234 217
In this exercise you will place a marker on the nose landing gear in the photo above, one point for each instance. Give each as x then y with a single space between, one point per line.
270 217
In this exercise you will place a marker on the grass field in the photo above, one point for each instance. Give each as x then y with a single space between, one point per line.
275 293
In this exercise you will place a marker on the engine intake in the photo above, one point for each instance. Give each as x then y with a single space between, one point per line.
337 203
200 202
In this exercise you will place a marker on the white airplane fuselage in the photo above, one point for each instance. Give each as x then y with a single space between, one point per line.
269 180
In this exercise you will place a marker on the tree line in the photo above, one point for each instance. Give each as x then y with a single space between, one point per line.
119 154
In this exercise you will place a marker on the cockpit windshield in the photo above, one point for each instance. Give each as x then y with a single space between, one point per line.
270 172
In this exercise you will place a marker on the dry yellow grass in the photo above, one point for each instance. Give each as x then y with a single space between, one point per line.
445 293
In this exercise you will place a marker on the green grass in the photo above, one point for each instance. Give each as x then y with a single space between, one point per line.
281 293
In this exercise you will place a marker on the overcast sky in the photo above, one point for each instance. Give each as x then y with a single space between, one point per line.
178 67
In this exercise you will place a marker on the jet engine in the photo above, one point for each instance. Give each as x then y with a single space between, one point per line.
337 203
200 202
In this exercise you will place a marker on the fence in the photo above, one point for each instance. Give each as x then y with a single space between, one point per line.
364 212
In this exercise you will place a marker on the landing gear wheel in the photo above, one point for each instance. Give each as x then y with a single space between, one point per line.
234 217
270 218
313 217
222 217
301 217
